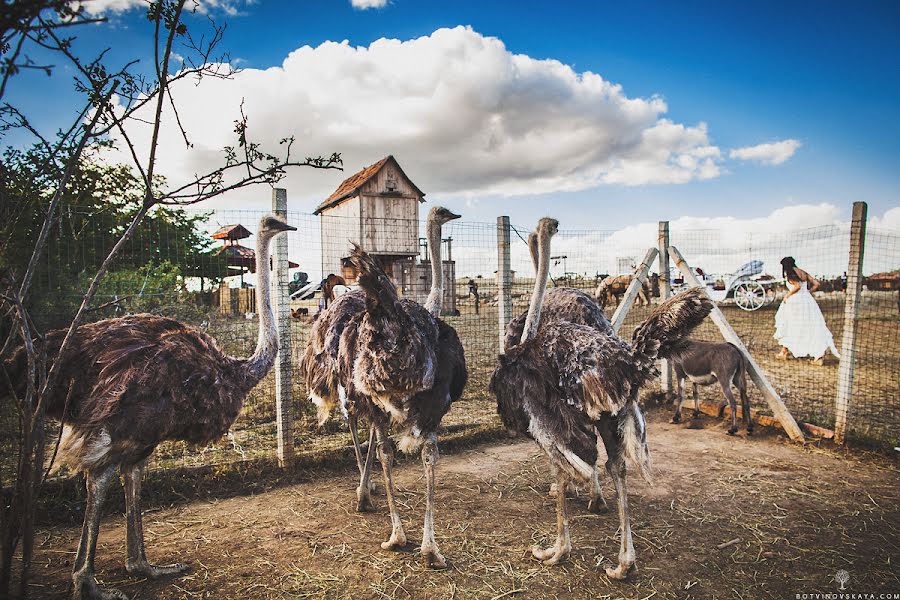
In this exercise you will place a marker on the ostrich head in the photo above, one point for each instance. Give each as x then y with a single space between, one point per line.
546 229
270 225
441 215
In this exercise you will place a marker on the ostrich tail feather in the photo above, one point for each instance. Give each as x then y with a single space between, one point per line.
633 431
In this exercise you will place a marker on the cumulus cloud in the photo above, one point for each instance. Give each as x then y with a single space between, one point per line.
98 7
817 235
890 220
462 114
364 4
773 153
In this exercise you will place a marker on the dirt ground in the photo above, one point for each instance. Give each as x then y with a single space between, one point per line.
801 514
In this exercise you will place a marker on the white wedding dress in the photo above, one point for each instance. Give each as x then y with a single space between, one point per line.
800 326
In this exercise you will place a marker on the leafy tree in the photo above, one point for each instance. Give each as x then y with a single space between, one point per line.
95 208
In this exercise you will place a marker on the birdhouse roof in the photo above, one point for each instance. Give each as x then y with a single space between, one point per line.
350 186
231 232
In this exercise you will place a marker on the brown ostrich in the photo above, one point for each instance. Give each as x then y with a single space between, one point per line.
392 362
567 384
137 381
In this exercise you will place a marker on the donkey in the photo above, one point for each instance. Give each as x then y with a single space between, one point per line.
705 363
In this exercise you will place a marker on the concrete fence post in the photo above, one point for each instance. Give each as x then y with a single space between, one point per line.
282 308
665 289
851 320
504 282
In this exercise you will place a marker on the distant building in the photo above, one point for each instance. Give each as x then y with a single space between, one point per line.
378 208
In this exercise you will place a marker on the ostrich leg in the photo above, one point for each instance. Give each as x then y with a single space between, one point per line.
429 547
364 490
596 502
386 456
85 586
560 550
137 559
615 466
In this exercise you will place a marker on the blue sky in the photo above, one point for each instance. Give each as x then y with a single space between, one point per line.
822 73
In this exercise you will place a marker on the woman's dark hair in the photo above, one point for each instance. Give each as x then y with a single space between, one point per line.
789 268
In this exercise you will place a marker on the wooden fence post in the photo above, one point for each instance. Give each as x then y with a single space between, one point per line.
640 276
851 323
282 309
756 374
665 287
504 294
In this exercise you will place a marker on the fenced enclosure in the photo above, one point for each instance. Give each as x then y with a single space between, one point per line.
173 267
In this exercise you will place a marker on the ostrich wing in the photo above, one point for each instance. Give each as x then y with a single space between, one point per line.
319 363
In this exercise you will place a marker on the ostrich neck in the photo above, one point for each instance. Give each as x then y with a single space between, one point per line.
533 249
263 357
533 318
436 295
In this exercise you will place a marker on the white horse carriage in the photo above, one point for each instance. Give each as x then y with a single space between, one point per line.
749 287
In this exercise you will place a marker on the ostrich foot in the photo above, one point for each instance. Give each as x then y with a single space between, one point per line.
621 571
552 555
597 505
571 490
397 541
86 588
153 571
433 558
364 500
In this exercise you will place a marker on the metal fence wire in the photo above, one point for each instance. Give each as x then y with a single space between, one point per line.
174 267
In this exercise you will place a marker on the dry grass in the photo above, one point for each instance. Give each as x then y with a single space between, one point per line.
800 513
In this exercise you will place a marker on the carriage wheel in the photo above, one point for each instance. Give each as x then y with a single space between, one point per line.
749 295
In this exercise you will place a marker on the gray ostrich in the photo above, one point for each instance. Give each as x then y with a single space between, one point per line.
137 381
392 362
574 306
567 384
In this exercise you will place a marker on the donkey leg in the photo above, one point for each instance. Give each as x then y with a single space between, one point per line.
726 388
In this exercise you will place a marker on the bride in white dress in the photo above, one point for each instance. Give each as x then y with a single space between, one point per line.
799 325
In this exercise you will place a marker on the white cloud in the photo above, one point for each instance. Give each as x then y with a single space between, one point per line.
97 7
462 114
364 4
773 153
889 220
817 235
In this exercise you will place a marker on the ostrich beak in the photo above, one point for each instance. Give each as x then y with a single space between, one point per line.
452 216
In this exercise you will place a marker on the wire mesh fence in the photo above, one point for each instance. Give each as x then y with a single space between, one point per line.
175 267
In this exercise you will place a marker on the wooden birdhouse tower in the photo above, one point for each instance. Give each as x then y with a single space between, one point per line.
378 208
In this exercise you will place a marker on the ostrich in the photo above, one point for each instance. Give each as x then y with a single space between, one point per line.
566 384
135 382
393 362
574 306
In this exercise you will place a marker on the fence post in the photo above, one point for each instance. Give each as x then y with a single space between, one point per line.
851 314
753 370
665 286
504 295
282 308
